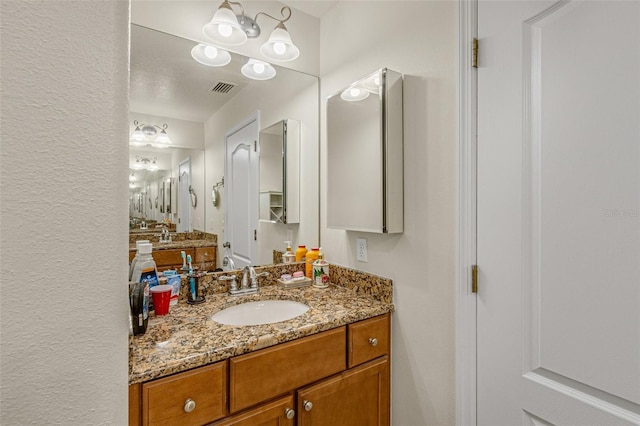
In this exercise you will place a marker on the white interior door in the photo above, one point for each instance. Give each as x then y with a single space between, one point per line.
558 309
241 189
184 198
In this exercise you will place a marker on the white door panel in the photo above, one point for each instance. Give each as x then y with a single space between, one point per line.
559 213
241 189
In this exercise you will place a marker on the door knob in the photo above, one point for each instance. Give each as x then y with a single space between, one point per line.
308 405
373 341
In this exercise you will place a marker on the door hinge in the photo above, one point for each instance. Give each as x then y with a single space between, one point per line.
474 53
255 146
474 278
255 235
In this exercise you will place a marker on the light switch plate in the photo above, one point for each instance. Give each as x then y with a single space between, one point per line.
361 249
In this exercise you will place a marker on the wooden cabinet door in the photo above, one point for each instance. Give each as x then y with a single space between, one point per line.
359 396
277 413
191 398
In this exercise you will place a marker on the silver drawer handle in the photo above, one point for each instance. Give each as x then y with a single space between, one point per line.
373 341
289 413
189 405
308 405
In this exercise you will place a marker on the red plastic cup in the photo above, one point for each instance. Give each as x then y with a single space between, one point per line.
161 296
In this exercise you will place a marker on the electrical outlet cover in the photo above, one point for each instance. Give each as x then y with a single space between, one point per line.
361 249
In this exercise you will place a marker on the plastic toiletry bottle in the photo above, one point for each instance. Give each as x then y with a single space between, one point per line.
301 253
145 269
174 280
312 256
136 257
288 256
320 271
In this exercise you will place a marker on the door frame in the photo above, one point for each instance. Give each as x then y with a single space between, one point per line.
466 301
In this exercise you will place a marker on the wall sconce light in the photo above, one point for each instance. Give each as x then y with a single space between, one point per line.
144 163
210 55
147 134
258 70
228 28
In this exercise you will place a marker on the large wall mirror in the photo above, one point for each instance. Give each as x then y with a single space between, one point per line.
199 105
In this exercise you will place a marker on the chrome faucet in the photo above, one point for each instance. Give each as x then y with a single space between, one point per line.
165 236
248 284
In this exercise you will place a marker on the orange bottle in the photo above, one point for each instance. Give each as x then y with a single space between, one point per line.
312 256
301 253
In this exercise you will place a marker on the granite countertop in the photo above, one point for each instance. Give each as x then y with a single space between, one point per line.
179 245
187 337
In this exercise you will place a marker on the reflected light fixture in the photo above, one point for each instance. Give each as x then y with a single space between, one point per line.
228 28
144 163
147 134
354 93
210 55
258 70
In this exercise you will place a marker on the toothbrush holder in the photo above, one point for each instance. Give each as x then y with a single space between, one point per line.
199 298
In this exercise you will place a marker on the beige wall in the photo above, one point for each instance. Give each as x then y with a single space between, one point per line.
417 39
63 204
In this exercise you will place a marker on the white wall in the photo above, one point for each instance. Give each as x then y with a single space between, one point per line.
417 39
63 297
275 102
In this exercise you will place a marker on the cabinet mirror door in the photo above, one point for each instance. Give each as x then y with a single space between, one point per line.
280 172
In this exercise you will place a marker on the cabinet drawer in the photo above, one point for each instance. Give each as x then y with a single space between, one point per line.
164 400
270 372
205 254
170 257
272 413
368 339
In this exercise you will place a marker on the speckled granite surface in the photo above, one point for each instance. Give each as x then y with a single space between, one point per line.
178 238
188 338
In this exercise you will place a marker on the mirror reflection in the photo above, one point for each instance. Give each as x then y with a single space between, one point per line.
184 184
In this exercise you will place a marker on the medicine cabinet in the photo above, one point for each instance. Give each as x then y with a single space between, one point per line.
280 172
365 155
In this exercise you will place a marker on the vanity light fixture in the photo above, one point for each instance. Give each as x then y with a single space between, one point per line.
228 28
210 55
144 163
258 70
147 134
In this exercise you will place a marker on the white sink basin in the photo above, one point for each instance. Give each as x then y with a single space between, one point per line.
260 312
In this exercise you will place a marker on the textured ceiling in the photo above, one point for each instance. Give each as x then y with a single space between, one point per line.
167 81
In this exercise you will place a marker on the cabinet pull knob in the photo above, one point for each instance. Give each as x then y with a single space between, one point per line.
289 413
373 341
308 405
189 405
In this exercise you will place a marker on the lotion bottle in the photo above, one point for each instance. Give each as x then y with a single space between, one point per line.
288 256
320 271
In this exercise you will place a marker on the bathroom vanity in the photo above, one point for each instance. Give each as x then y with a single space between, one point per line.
200 245
328 366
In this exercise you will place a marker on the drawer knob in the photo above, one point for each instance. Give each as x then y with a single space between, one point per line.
289 413
373 341
308 405
189 405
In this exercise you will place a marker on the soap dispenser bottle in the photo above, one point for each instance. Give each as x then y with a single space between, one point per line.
288 256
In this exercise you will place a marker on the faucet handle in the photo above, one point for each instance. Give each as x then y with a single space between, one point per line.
232 278
254 284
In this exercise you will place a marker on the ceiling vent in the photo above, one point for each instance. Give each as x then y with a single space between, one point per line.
222 87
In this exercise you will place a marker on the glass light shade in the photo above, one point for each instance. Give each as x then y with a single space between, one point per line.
279 46
258 70
138 138
354 94
210 55
152 167
162 140
224 27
